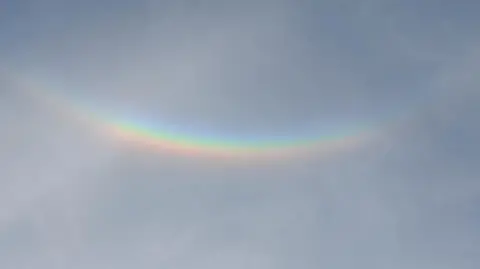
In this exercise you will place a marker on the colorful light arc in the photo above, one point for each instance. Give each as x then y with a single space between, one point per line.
154 137
224 147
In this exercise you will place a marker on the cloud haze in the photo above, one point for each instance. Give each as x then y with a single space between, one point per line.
403 70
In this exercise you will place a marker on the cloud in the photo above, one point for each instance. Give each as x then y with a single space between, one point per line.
73 199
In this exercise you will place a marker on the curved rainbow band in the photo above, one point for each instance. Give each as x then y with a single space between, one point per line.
152 137
156 139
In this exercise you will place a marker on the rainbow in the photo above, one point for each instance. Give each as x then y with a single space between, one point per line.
223 146
154 136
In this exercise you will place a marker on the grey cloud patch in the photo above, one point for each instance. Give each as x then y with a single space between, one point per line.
227 71
408 200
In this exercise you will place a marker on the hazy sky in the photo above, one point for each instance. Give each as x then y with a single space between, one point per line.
403 72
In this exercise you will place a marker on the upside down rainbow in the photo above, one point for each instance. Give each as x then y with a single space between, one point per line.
154 136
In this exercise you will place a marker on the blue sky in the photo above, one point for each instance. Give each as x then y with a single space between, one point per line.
404 70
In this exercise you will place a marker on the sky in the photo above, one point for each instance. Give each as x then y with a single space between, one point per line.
375 105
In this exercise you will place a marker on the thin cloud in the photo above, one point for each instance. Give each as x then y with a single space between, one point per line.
72 199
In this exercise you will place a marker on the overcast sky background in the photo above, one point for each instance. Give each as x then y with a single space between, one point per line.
404 70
